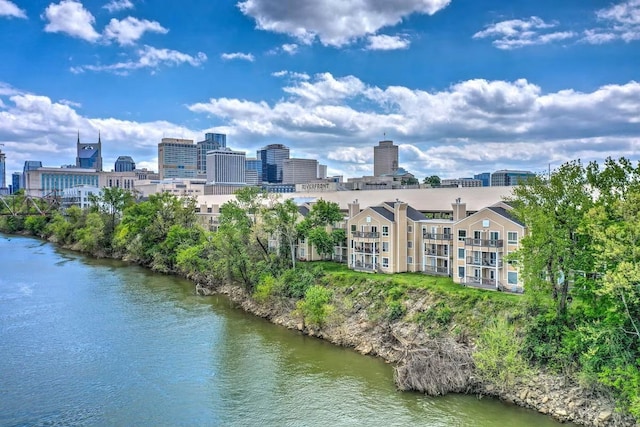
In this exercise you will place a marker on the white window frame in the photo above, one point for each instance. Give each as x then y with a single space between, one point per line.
385 262
385 230
511 241
410 260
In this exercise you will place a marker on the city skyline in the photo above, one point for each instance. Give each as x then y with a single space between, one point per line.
461 87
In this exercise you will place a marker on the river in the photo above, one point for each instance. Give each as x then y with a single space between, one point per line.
101 342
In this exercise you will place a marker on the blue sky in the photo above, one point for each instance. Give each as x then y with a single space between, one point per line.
462 86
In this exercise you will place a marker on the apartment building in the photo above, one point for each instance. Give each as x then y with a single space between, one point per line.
384 238
471 249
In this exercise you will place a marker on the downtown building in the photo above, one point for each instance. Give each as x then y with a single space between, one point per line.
272 161
299 171
385 158
177 158
89 155
212 141
225 171
124 164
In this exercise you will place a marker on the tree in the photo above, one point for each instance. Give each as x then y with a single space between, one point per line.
280 221
111 202
556 244
314 227
433 180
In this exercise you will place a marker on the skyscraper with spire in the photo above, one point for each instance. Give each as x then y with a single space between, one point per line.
89 154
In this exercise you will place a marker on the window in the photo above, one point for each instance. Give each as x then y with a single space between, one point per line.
477 234
512 278
410 229
301 252
494 235
461 272
410 260
374 229
385 230
462 234
485 223
447 232
410 244
385 246
460 253
385 262
512 237
353 227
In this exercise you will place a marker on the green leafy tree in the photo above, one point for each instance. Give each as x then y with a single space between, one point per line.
433 180
281 222
316 307
314 227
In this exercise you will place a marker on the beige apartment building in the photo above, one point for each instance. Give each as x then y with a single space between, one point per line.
471 249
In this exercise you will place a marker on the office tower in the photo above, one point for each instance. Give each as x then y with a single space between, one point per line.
385 158
3 170
272 157
225 166
29 165
252 171
322 171
212 141
485 177
16 180
89 155
177 158
124 164
509 177
299 171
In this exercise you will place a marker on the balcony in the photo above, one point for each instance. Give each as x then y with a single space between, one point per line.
485 243
479 282
484 262
436 236
364 266
436 252
366 234
366 250
436 270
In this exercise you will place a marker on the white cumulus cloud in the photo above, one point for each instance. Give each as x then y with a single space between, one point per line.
333 22
385 42
70 17
118 5
10 10
129 30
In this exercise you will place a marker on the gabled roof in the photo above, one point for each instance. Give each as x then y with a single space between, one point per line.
384 212
411 212
505 213
303 210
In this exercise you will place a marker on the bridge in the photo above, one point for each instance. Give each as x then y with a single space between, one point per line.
24 205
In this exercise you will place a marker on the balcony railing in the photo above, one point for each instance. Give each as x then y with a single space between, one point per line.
436 270
479 282
366 250
363 266
436 252
484 262
366 234
339 258
482 242
436 236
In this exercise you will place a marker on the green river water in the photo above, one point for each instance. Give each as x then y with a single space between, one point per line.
95 342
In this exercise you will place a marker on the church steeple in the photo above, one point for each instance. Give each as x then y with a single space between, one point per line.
78 136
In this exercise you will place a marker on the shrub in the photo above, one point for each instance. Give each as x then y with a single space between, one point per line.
395 310
315 307
497 358
266 288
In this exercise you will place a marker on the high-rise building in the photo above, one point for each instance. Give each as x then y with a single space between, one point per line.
225 166
212 141
509 177
253 171
89 155
385 158
299 171
272 157
16 180
322 171
177 158
29 165
124 164
485 177
3 170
